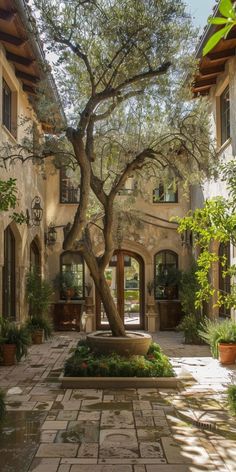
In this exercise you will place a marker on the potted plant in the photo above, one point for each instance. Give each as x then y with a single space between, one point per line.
38 294
168 280
66 283
14 341
221 336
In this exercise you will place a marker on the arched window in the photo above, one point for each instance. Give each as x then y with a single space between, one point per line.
165 193
166 275
72 263
35 264
9 275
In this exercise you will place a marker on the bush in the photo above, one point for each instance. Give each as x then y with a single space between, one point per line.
38 294
85 363
2 405
190 326
10 333
231 398
215 332
35 323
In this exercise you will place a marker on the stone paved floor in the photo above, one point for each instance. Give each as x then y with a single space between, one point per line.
48 429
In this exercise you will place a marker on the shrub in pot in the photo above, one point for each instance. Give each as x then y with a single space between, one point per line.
66 283
14 341
168 280
221 336
38 294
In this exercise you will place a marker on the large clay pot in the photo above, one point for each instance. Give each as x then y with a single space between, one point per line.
37 336
132 344
9 354
227 353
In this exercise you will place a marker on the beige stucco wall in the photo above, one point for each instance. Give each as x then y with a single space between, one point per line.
30 183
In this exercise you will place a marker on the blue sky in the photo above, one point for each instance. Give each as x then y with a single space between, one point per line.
200 10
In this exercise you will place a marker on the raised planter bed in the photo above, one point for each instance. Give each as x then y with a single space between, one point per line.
135 343
122 382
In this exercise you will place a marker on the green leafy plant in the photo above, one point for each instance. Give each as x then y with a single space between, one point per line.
38 293
36 322
85 363
10 333
231 398
2 405
65 281
168 277
227 21
190 325
215 332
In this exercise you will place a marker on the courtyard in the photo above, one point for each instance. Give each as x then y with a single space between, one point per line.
48 429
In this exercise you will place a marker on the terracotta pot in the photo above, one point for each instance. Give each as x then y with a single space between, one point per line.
227 353
9 354
132 344
37 336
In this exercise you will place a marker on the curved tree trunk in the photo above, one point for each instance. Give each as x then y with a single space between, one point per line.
115 322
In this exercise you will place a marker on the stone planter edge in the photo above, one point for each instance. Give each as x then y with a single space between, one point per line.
123 382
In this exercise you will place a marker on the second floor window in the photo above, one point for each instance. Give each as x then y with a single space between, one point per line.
165 193
69 189
6 106
225 115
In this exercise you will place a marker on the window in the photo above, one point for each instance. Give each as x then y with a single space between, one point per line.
9 275
129 187
225 115
165 193
72 263
69 189
6 106
166 275
35 258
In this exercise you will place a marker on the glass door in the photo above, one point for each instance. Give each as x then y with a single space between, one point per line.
125 277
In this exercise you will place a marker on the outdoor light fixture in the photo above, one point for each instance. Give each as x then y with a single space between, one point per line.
35 218
51 235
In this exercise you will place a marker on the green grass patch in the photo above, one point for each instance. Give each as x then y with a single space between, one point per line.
85 363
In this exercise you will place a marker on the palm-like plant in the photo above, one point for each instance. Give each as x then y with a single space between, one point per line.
215 332
10 333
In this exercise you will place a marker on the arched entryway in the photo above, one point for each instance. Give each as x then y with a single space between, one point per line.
125 275
224 282
9 275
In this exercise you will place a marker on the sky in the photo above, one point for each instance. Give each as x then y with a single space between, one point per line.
200 10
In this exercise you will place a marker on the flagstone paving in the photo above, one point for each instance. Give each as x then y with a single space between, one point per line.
48 429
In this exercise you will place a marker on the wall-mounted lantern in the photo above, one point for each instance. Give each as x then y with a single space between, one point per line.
34 217
51 235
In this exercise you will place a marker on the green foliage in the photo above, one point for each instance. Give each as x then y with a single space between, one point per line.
227 10
40 322
65 280
85 363
168 277
215 332
231 398
39 293
190 325
2 405
10 333
216 221
187 291
8 200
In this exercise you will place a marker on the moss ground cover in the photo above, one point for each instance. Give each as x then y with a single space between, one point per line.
85 363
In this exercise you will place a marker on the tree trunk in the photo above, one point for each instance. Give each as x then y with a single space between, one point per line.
115 322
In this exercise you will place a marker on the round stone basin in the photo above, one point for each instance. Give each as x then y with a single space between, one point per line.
132 344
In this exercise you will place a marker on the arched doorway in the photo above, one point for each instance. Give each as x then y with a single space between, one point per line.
125 275
35 260
9 275
224 282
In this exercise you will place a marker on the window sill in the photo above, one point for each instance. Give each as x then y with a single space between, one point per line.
9 134
224 146
166 203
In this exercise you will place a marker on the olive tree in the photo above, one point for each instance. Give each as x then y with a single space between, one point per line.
122 68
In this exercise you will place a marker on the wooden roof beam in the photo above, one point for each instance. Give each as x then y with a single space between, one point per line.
30 78
203 82
29 89
7 15
8 38
24 61
211 71
200 88
224 54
